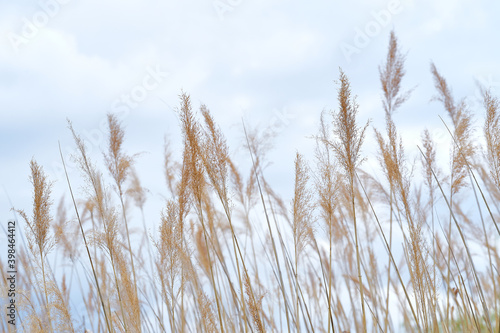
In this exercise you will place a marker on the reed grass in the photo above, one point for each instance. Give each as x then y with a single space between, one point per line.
394 249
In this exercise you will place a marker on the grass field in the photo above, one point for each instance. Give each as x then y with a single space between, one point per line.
411 248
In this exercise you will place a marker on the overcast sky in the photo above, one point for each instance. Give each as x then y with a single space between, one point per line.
271 63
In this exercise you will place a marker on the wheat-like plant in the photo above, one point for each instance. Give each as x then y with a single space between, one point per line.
394 248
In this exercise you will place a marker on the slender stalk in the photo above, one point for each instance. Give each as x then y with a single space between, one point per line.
85 242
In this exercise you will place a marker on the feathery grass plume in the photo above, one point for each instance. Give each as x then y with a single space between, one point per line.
391 75
202 251
348 150
183 188
429 168
492 135
327 185
107 215
463 148
40 241
390 78
472 272
302 219
62 316
349 135
130 296
302 206
429 162
192 152
187 291
255 304
117 162
169 264
215 158
206 312
327 178
393 162
417 254
193 165
119 166
462 123
466 149
392 155
183 191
